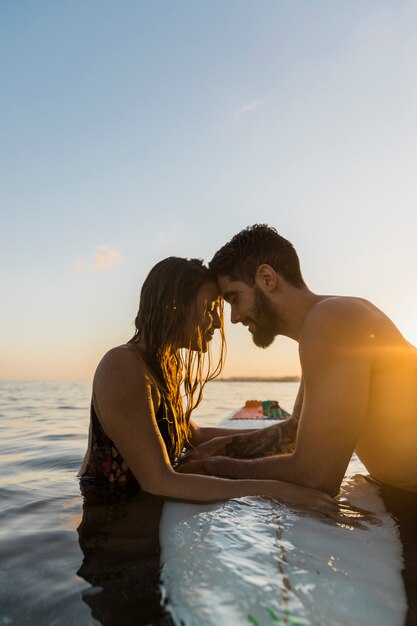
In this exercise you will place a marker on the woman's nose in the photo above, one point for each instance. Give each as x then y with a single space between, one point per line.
216 319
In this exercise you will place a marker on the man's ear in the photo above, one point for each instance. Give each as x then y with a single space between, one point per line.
266 278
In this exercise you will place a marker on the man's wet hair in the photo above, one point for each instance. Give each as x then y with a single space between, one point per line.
245 252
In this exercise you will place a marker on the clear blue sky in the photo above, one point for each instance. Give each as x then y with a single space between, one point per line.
135 130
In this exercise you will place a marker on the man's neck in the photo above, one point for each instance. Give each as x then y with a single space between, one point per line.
299 305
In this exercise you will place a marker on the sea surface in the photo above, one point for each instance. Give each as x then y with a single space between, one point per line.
62 563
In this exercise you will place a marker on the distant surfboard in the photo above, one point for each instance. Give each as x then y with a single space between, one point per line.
255 561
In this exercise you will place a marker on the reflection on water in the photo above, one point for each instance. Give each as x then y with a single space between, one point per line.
47 580
120 543
266 565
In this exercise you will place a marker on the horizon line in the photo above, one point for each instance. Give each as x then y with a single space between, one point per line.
267 379
225 379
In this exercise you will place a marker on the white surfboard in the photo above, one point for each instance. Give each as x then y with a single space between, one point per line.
255 561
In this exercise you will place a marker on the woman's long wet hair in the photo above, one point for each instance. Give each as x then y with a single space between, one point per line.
166 309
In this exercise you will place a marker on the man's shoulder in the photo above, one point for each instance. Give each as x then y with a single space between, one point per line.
351 307
337 320
329 306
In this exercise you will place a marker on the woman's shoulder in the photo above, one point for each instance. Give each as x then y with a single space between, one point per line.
124 372
124 396
125 359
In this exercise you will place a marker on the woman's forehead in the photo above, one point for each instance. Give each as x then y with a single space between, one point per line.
208 291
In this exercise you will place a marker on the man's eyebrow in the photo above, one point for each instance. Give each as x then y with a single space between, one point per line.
227 294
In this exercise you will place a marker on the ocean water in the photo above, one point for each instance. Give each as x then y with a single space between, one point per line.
64 563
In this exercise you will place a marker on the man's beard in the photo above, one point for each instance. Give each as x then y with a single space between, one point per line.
267 322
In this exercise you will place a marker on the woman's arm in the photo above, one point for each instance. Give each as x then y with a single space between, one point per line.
124 398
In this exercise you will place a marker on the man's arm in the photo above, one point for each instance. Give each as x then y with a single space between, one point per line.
298 404
249 444
276 439
336 367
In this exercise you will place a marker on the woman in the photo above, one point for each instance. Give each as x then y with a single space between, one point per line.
140 423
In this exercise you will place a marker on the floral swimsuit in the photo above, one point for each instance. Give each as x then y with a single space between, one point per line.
105 466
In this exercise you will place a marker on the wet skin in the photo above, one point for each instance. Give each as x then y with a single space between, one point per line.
360 388
126 399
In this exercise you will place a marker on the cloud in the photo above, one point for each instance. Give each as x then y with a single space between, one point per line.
102 258
249 107
105 257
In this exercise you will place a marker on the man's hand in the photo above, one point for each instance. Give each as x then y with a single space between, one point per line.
276 439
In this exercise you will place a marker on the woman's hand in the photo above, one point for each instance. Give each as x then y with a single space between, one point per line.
194 457
291 494
304 499
322 506
192 464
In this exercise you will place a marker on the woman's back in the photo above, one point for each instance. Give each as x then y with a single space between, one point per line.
104 465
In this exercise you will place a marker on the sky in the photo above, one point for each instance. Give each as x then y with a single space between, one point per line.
138 130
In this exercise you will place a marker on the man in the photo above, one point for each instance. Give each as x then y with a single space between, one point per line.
359 376
358 390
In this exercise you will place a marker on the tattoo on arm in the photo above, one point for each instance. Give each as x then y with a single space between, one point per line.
277 439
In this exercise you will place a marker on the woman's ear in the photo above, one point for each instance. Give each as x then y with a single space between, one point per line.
266 278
